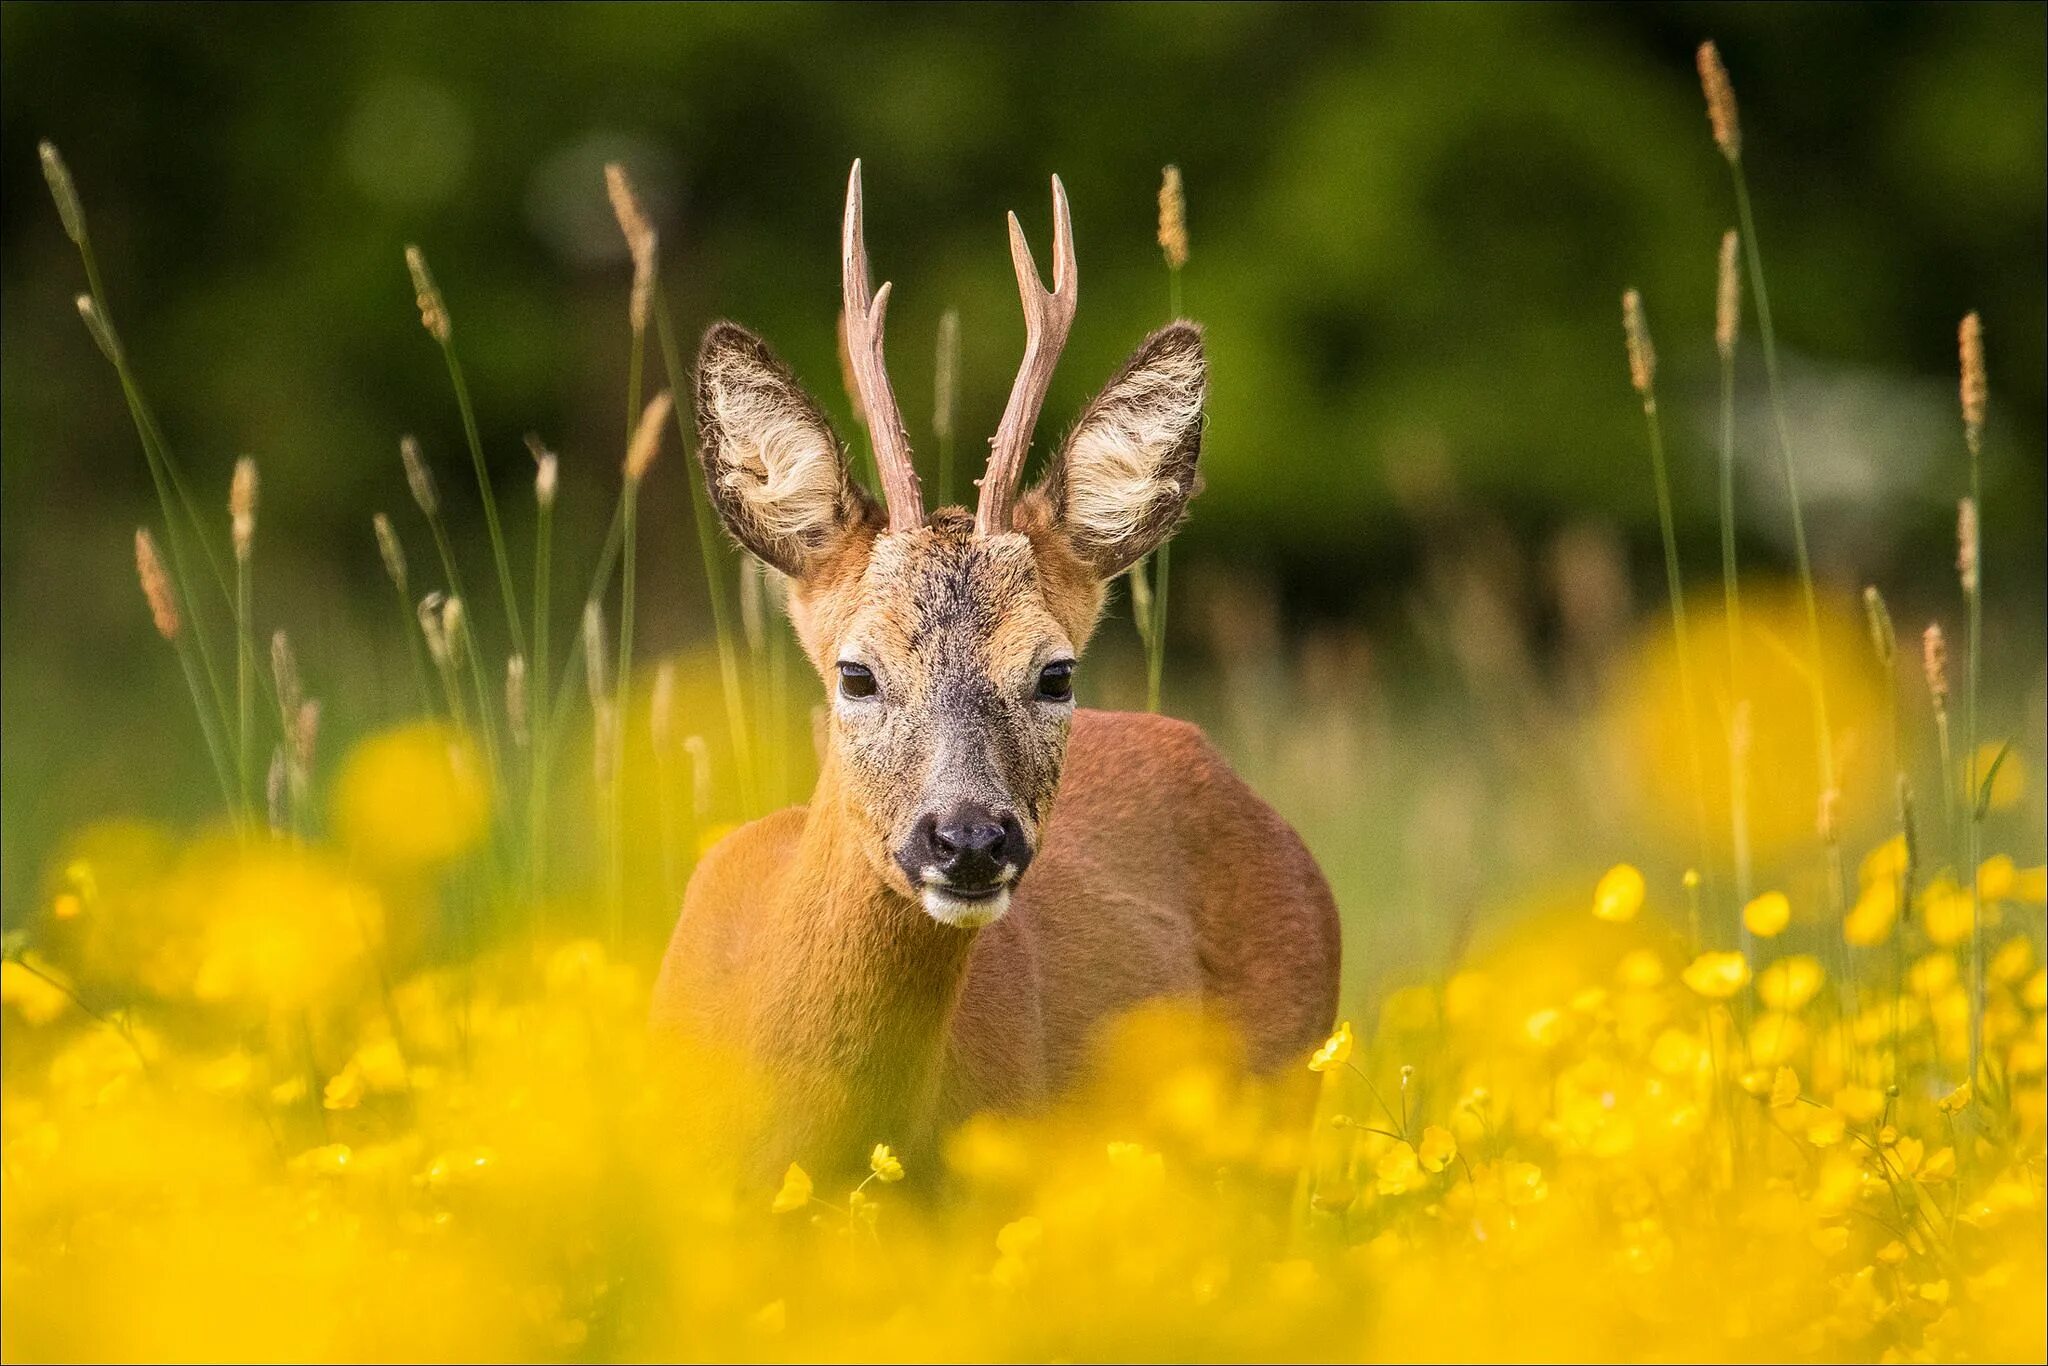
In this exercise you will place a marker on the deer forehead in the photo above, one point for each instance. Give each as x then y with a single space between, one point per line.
938 601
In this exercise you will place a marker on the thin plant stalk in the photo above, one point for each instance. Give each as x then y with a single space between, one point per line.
434 316
707 542
1884 641
1825 744
1155 642
540 724
1642 371
395 569
1727 332
245 681
1970 564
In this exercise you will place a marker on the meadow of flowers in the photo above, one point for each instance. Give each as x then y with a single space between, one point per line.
358 1071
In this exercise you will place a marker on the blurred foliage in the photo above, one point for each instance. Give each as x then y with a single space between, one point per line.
1410 228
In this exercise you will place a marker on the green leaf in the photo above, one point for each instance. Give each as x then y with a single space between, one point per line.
1991 773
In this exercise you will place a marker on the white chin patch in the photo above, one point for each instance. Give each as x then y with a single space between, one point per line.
963 914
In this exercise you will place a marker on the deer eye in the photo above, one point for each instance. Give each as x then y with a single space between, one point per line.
855 680
1056 681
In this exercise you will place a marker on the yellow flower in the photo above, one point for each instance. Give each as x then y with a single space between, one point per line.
1399 1171
1886 863
1335 1052
884 1164
1869 921
1438 1148
345 1089
1717 976
1788 984
1784 1088
2031 885
862 1209
2012 960
1767 915
1859 1104
1892 1253
1932 974
1827 1128
2035 992
1946 913
1996 877
1641 969
795 1192
1619 894
1956 1101
36 999
411 798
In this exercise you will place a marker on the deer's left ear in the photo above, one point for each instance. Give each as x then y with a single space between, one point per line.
1122 482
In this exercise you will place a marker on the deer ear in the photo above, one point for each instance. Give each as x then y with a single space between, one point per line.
776 472
1123 480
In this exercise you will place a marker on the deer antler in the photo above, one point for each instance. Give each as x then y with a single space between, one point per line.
1047 317
863 314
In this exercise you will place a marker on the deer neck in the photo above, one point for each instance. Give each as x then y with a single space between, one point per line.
855 1023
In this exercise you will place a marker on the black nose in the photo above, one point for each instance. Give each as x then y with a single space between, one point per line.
969 847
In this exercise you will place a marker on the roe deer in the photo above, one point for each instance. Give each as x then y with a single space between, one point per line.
983 874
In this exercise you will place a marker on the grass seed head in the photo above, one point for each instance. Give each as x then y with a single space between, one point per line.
1934 662
96 323
418 476
546 473
432 629
69 212
1642 356
1970 339
1720 102
427 294
284 671
389 548
1966 544
306 733
1728 296
641 241
156 586
646 442
1173 218
242 507
454 625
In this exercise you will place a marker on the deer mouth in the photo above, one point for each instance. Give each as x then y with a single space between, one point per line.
965 908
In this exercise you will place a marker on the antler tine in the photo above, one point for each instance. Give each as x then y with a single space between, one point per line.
1048 316
864 313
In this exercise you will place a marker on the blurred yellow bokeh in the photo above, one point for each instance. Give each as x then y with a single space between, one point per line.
1770 708
411 798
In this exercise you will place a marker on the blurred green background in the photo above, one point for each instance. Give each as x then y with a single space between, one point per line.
1411 227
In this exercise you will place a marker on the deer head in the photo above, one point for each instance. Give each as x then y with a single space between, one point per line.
948 643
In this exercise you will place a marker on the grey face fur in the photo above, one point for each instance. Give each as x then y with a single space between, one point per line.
947 737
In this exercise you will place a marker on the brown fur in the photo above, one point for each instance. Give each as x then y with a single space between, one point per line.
1161 875
1149 869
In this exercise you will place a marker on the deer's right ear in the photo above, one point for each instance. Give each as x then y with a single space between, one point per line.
774 468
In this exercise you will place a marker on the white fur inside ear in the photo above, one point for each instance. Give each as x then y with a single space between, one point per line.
776 458
1115 461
